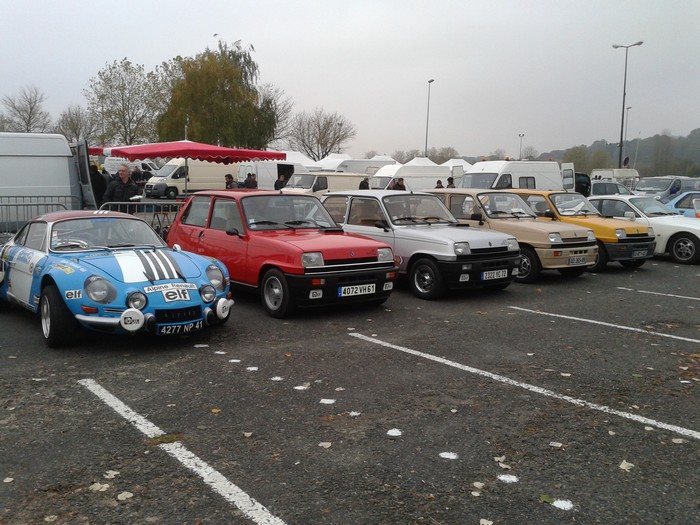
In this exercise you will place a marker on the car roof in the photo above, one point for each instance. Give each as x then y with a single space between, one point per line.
82 214
374 193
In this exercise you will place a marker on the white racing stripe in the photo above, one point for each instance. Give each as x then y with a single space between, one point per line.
230 492
602 323
536 389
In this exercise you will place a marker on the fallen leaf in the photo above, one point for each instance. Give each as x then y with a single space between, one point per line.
499 459
8 480
546 499
648 429
485 522
555 444
325 444
476 493
626 466
247 434
611 432
565 374
504 466
478 484
563 504
111 474
508 478
124 496
98 487
430 496
394 432
215 410
51 518
679 441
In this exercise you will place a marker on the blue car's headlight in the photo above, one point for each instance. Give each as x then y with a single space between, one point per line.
136 300
207 293
100 289
216 277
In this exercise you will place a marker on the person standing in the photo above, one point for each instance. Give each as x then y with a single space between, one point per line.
98 183
280 182
439 184
250 181
122 189
364 184
229 181
450 182
399 185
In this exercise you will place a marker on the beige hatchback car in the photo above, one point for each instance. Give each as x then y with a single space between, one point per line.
544 245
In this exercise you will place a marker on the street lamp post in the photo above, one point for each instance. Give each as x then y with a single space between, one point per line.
627 120
624 94
427 118
520 155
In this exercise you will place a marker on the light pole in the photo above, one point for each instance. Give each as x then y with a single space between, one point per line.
624 93
627 120
520 155
427 118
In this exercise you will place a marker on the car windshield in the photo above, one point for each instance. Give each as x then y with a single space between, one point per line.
572 204
285 212
653 184
505 206
165 170
416 209
300 181
478 180
99 233
652 207
379 183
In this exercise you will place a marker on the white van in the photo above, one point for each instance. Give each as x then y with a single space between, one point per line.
625 176
172 179
414 177
319 182
363 166
267 172
537 175
111 165
40 173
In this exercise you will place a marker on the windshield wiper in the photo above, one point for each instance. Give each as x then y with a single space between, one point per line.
299 222
270 223
412 219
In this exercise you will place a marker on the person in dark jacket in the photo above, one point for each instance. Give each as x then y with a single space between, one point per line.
364 184
122 189
98 183
280 182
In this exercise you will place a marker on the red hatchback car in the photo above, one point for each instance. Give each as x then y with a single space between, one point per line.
287 246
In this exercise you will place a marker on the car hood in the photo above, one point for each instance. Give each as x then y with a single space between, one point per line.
519 226
135 266
333 245
476 237
640 226
680 222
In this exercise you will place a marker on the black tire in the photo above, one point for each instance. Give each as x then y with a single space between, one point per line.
57 323
684 248
530 266
601 260
572 272
633 263
171 194
275 295
425 280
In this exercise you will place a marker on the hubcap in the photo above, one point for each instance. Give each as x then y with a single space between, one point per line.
273 293
525 267
684 249
45 318
424 279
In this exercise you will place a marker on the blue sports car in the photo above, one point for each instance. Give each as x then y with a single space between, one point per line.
685 203
109 272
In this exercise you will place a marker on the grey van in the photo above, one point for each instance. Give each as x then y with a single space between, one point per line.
666 187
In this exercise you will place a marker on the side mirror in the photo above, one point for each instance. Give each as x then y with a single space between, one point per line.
233 231
550 215
382 224
630 215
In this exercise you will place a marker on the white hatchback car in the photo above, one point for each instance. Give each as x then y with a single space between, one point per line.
676 235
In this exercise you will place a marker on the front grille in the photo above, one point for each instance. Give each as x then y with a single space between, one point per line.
350 266
573 243
636 237
180 315
340 262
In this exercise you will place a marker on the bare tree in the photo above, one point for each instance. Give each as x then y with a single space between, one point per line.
282 107
25 112
319 134
126 99
75 123
530 153
4 124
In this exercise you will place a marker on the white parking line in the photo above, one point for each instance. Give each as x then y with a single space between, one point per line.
230 492
659 293
621 327
536 389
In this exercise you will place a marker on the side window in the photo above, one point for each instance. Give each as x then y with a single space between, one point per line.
538 204
197 213
462 207
687 201
527 183
36 236
225 215
505 181
21 237
364 212
336 206
321 184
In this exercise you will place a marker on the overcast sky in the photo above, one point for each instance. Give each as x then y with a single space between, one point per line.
543 68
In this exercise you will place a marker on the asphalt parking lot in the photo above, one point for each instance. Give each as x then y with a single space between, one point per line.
565 401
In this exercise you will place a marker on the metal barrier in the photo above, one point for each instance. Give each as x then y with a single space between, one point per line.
16 211
159 215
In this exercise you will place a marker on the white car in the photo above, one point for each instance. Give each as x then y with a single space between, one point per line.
435 251
676 235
